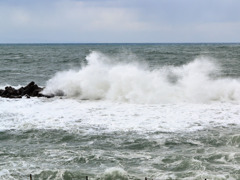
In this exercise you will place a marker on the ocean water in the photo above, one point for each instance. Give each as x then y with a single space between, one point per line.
121 111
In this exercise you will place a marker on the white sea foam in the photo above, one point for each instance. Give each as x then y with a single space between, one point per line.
132 98
101 116
129 82
114 173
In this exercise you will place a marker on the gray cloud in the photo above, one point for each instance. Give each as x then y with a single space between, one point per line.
119 21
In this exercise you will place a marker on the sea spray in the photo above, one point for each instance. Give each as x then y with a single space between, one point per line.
114 173
68 138
195 82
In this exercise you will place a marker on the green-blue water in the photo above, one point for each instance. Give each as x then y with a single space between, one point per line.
129 111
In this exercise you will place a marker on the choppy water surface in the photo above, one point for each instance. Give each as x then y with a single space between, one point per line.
128 111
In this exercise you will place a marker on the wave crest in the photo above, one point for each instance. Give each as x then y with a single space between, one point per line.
131 82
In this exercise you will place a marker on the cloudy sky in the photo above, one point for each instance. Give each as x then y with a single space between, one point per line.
119 21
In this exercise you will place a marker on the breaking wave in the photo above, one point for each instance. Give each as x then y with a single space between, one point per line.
102 79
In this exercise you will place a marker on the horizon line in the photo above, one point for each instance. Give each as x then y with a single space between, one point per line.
29 43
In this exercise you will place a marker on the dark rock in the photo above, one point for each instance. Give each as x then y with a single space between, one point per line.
27 96
14 96
9 91
36 91
1 91
20 90
31 90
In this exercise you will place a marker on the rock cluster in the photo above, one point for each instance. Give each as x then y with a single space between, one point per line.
31 90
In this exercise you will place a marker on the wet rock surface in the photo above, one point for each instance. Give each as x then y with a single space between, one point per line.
31 90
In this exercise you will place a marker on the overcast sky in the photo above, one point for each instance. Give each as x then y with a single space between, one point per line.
119 21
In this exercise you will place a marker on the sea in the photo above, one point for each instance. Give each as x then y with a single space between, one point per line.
121 111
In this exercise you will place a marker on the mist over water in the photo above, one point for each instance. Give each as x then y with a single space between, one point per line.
122 111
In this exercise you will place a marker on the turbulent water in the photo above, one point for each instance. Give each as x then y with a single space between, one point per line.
122 111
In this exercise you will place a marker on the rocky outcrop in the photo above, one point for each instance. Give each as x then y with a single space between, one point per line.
31 90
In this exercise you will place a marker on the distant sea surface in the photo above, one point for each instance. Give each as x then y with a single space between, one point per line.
121 111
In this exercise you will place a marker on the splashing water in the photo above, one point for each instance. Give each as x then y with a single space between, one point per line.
173 117
131 82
